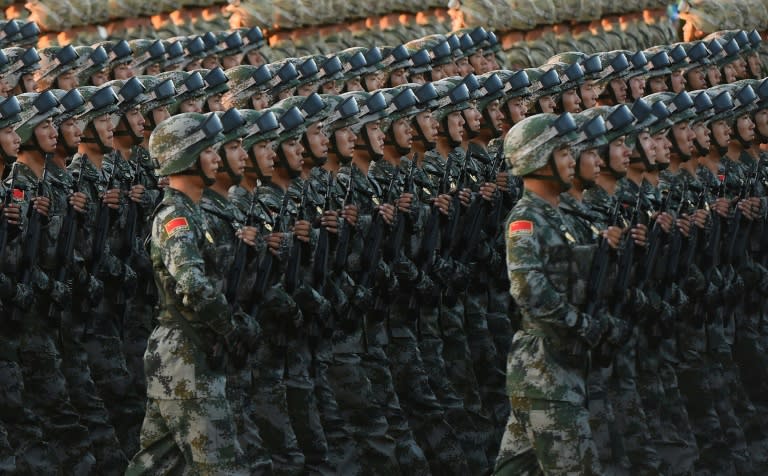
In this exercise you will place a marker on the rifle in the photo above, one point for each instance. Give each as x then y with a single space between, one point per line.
65 247
31 242
320 260
737 238
292 278
396 241
599 269
627 258
675 248
693 239
425 255
450 237
102 227
235 274
265 265
345 230
4 225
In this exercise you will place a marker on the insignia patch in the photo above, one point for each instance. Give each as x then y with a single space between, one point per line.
175 225
18 194
721 178
521 227
208 236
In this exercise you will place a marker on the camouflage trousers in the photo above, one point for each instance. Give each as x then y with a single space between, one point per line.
194 436
602 421
267 406
558 434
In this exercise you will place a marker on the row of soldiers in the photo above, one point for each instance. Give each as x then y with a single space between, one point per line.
324 274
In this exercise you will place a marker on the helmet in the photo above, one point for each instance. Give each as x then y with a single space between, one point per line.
680 106
343 113
252 37
372 107
261 126
35 108
188 86
216 82
99 101
72 104
529 144
453 95
92 60
176 143
53 62
590 133
244 82
22 61
232 43
174 51
9 112
159 92
402 104
146 53
130 92
292 123
491 88
703 105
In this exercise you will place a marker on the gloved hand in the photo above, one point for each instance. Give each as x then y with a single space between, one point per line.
616 330
130 280
24 296
278 304
695 283
589 328
426 287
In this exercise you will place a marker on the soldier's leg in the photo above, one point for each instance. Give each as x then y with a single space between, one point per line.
248 435
158 453
684 451
602 420
137 328
267 406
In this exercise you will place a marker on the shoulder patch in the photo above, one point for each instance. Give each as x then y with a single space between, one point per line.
18 194
721 177
176 225
519 227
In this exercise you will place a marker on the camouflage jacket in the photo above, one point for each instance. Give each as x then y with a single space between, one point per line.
224 219
546 267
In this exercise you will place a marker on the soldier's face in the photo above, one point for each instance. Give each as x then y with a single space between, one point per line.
619 87
740 66
517 109
209 162
354 85
697 79
265 157
159 114
637 87
746 128
255 58
398 77
417 78
547 104
105 129
214 103
375 136
231 61
402 132
331 87
721 133
473 118
663 147
122 71
702 135
496 116
153 69
566 165
478 63
71 133
259 101
235 156
678 81
47 136
456 126
493 64
29 83
439 72
210 62
306 89
755 65
589 164
618 155
428 125
10 141
649 146
345 141
464 67
729 73
99 78
67 81
191 105
136 122
588 94
371 82
761 122
451 69
684 137
317 140
293 150
714 76
193 65
571 101
657 84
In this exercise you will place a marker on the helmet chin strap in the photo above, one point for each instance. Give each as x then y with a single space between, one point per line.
446 134
318 161
676 148
234 177
555 177
197 170
254 168
390 140
701 150
283 163
375 157
343 159
649 167
487 118
585 184
96 139
662 166
744 143
421 137
68 149
721 149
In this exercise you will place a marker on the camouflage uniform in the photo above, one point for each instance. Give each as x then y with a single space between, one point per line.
188 423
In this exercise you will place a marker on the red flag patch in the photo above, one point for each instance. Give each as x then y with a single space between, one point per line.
521 227
18 194
175 225
721 178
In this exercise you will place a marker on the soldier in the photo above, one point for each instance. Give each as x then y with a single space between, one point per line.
549 426
19 78
190 90
91 69
57 68
148 56
189 424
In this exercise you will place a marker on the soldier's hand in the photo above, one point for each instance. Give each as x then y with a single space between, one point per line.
42 205
721 206
404 202
248 234
387 212
465 196
302 229
330 220
136 193
750 207
24 296
665 221
79 201
700 217
274 241
684 224
502 180
443 202
13 213
488 191
639 233
350 214
613 236
112 198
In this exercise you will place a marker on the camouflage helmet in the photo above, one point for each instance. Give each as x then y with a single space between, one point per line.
703 105
491 89
10 111
619 120
72 104
615 64
147 53
118 52
232 43
760 86
292 124
130 92
244 82
216 81
516 83
453 95
174 52
98 101
53 62
194 49
723 51
188 86
396 58
261 126
353 61
592 65
233 124
92 60
372 107
530 143
421 60
252 38
284 76
35 108
343 113
176 143
571 75
159 92
402 103
680 106
313 108
543 83
9 30
29 34
589 135
22 61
